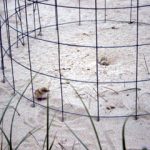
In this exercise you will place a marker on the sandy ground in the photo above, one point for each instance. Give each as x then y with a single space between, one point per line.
78 63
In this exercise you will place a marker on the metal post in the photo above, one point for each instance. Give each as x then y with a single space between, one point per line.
137 55
29 52
59 62
97 75
105 11
9 42
131 5
79 12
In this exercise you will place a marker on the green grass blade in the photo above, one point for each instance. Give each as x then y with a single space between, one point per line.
94 128
8 141
73 147
27 136
12 121
123 135
7 106
12 107
52 144
47 122
1 137
76 136
35 140
49 130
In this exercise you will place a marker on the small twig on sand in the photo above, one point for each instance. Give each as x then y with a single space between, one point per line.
146 64
130 89
98 95
111 89
35 140
107 88
62 147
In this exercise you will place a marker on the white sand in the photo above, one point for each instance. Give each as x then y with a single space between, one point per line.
78 63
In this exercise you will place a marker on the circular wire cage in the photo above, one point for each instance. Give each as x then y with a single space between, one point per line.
94 53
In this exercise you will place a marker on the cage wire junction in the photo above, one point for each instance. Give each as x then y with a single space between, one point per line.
24 35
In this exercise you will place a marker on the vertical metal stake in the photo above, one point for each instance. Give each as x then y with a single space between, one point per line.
105 13
9 43
97 75
29 52
137 55
79 12
59 62
131 5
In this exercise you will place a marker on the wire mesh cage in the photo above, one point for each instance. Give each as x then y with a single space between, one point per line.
98 53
